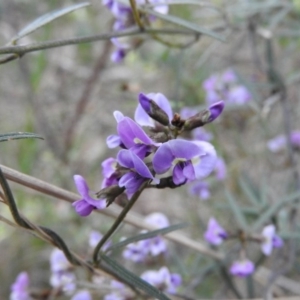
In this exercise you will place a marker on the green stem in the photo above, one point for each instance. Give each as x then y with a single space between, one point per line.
136 15
118 221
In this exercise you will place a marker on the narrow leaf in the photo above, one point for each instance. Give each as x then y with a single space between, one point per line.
47 18
248 191
147 235
132 279
273 209
236 210
183 23
19 135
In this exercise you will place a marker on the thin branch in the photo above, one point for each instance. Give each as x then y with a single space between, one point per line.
22 49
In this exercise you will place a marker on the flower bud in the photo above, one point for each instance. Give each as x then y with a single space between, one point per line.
204 117
153 110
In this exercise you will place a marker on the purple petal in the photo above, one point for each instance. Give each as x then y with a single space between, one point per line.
83 208
81 186
207 162
242 268
131 133
82 295
113 141
157 219
108 167
277 144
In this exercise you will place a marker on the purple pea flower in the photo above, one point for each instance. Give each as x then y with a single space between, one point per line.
163 280
215 233
19 289
200 189
242 268
133 137
138 173
120 52
157 219
238 95
279 143
61 274
137 252
271 239
141 116
82 295
109 167
87 204
191 160
120 292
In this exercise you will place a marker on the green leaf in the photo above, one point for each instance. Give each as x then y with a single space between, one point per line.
249 191
47 18
273 209
19 135
147 235
183 23
132 279
236 210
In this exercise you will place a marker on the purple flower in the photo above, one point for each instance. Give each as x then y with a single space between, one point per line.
163 279
19 289
87 204
242 268
157 219
141 116
215 234
200 189
191 160
138 173
225 86
82 295
120 52
137 252
279 143
58 261
66 281
109 167
220 169
133 137
271 239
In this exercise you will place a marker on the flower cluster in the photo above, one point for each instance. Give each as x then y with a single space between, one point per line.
142 250
124 19
279 143
158 151
225 86
268 239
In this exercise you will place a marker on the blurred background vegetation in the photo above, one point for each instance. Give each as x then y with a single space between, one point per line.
68 95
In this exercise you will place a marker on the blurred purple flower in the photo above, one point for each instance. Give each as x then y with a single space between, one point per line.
279 143
157 219
191 160
137 252
215 233
163 280
142 118
271 239
82 295
200 189
139 172
220 169
87 204
225 86
19 289
61 275
242 268
120 292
